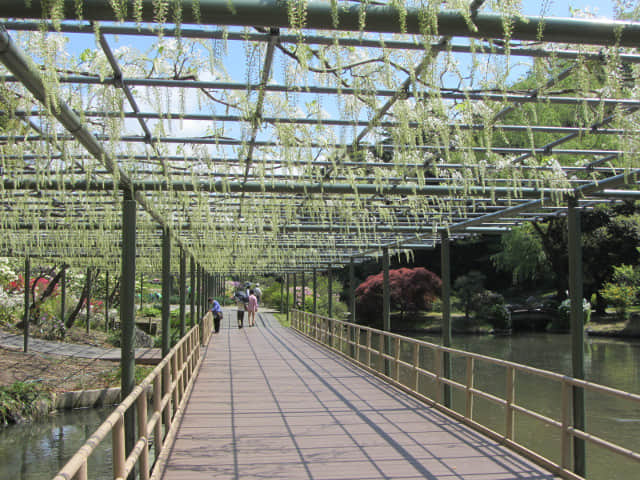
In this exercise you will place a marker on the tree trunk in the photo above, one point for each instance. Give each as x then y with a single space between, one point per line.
50 288
83 296
114 297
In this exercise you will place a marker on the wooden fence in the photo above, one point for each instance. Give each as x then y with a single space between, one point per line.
170 382
385 354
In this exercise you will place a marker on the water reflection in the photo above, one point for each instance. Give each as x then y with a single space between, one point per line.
38 450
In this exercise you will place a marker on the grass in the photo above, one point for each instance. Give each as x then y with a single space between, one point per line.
23 400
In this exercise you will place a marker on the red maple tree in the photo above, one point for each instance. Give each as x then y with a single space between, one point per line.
411 289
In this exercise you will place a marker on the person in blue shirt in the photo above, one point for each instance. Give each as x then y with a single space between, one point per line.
216 310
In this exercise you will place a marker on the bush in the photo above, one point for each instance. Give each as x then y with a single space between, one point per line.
411 290
489 308
622 292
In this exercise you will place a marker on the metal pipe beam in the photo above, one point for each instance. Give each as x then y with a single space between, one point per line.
379 18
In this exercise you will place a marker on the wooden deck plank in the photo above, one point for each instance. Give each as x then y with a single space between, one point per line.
269 403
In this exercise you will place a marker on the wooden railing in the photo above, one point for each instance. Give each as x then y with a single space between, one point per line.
387 355
170 383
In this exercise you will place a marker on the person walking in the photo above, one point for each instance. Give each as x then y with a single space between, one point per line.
258 293
252 308
241 305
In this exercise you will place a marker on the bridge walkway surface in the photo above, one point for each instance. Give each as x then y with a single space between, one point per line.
269 403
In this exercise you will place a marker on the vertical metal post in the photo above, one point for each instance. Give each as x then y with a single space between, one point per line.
88 298
386 308
302 290
127 311
183 291
27 281
445 261
282 295
330 292
63 298
141 288
197 293
315 291
106 301
295 291
577 332
287 302
192 286
166 290
352 291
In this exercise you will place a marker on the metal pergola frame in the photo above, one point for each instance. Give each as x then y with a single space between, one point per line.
327 200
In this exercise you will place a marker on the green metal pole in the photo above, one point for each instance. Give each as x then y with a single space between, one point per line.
127 312
379 18
198 293
63 296
141 288
302 290
386 307
330 292
27 281
88 298
287 303
192 285
183 292
445 261
352 291
282 295
295 291
166 290
106 301
577 332
315 291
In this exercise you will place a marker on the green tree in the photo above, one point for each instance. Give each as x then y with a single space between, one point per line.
466 287
522 254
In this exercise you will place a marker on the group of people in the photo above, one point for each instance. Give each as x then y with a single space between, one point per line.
247 300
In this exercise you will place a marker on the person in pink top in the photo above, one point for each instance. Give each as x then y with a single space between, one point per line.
252 308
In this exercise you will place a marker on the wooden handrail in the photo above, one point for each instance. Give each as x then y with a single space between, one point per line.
306 324
169 380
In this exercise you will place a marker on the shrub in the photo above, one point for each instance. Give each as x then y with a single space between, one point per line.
411 289
623 290
489 307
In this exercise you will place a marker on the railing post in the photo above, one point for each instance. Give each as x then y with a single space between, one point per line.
565 439
157 409
174 376
117 440
166 390
438 372
397 359
143 431
470 371
83 472
381 351
510 394
369 348
357 343
416 365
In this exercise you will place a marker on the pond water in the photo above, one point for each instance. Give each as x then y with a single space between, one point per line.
39 449
614 363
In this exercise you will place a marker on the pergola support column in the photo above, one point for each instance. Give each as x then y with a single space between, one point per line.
386 307
192 297
445 260
127 312
330 291
577 332
287 302
166 290
183 292
27 281
315 291
106 301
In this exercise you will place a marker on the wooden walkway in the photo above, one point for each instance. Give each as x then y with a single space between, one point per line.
270 404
